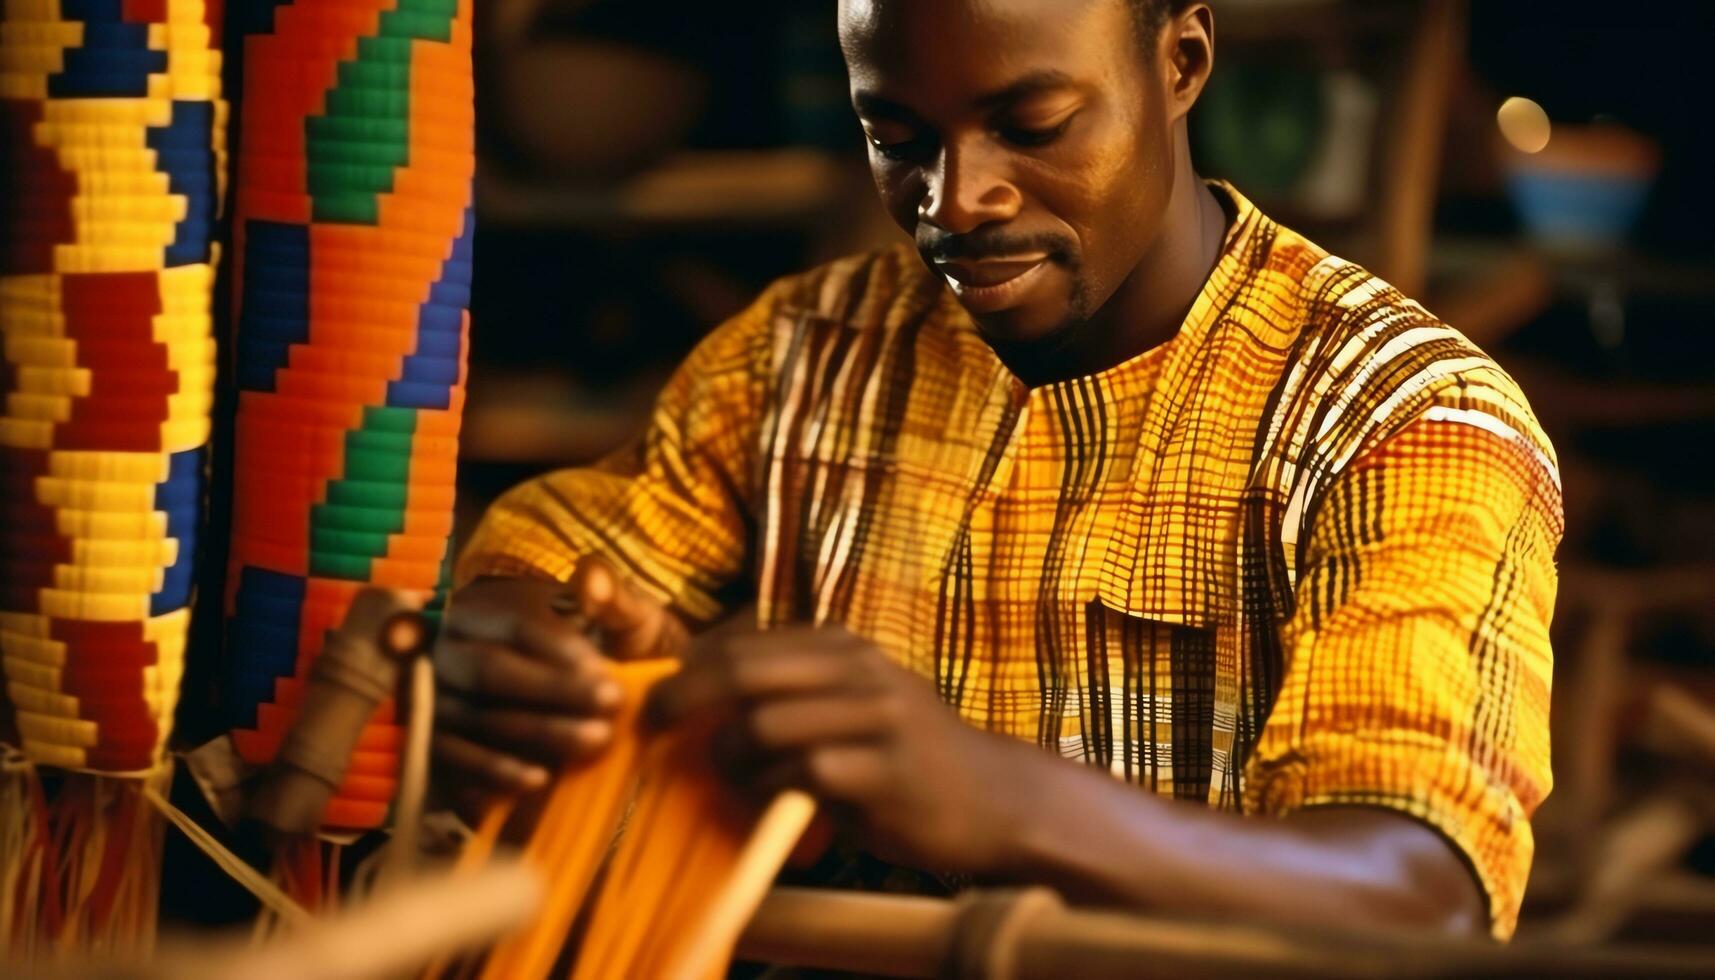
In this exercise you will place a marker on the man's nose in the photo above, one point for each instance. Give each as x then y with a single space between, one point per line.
966 189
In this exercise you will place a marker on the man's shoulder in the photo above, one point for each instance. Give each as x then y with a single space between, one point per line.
1366 360
1376 333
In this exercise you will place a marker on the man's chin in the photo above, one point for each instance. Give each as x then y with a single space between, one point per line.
1026 332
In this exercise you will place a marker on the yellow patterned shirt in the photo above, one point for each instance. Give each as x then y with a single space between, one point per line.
1299 555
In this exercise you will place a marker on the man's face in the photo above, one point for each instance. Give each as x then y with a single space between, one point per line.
1025 144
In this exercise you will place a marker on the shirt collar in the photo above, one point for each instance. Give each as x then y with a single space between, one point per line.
1204 313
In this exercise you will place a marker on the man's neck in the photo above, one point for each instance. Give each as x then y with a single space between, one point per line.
1150 306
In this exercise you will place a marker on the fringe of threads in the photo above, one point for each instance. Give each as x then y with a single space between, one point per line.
24 845
80 863
306 870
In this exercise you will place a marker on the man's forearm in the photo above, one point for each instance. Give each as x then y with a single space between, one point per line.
1100 840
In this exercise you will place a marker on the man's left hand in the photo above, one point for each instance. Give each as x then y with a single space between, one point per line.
828 712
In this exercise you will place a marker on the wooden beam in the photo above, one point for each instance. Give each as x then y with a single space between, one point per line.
1411 159
919 937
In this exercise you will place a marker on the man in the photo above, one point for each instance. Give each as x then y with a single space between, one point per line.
1116 468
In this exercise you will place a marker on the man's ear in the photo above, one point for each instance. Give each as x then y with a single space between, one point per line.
1186 52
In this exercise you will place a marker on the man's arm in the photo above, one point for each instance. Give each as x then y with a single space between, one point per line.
1409 743
1418 663
825 711
1101 841
1407 748
672 511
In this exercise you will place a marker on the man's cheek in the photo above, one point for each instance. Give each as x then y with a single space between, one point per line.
900 195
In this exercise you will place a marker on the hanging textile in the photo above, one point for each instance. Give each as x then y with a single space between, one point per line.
111 170
351 271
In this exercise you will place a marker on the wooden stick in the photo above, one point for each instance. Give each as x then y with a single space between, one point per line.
1634 848
914 937
1412 164
1681 722
389 935
402 851
769 846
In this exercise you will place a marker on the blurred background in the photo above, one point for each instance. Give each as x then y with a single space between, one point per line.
1535 173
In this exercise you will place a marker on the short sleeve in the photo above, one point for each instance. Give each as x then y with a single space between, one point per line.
673 510
1417 656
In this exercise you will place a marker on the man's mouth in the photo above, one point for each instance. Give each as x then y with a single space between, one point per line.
991 285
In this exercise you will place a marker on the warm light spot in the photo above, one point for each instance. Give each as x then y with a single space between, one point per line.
1524 124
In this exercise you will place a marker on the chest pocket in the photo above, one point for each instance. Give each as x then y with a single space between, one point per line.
1172 560
1152 693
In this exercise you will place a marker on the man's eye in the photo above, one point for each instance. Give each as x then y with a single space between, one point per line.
911 149
1025 136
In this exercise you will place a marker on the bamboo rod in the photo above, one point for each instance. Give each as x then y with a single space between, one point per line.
770 845
388 936
404 851
1406 209
918 937
883 935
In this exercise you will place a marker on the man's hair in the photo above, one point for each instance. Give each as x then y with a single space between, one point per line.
1150 16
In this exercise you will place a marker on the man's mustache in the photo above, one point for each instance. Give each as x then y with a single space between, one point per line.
938 246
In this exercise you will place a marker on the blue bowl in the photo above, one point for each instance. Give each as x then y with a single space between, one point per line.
1579 210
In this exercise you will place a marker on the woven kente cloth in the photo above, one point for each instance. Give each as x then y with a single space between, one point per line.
1299 555
352 271
111 164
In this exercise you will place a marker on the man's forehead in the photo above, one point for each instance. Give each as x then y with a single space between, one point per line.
994 38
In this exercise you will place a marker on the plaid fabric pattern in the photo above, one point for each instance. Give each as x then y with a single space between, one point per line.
1300 555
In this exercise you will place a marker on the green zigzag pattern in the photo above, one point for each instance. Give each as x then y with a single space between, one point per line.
353 150
367 503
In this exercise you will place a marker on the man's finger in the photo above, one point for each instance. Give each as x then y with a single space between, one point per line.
848 772
497 674
465 760
633 624
553 739
558 641
793 723
491 609
530 624
760 665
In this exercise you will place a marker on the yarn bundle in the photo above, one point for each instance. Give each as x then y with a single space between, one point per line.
352 269
660 861
111 163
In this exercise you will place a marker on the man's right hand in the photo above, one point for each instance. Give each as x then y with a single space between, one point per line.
525 680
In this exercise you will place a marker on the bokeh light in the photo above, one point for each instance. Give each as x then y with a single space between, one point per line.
1524 124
